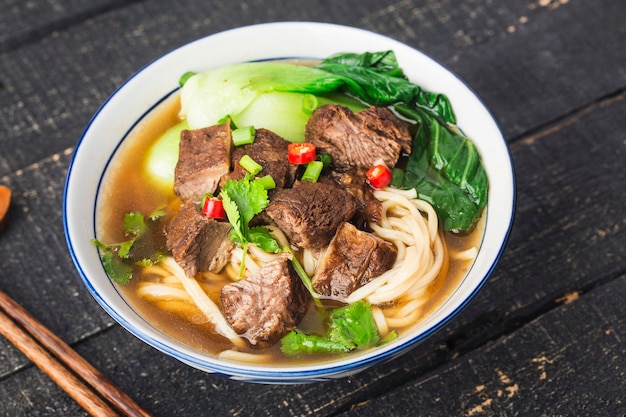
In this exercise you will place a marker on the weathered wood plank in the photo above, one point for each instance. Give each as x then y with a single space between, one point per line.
568 238
35 268
522 62
543 264
569 232
527 60
23 22
569 362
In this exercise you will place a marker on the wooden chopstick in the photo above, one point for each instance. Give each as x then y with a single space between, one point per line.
28 338
55 370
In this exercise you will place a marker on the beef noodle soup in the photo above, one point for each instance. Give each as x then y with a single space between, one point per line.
340 241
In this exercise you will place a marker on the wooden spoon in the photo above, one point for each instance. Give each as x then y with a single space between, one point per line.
5 202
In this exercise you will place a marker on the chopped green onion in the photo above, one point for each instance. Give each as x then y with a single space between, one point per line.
267 182
243 135
312 171
325 158
250 165
225 119
309 103
183 79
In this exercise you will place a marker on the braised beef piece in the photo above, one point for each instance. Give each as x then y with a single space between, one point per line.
198 243
204 157
270 151
268 304
358 140
309 213
354 181
352 259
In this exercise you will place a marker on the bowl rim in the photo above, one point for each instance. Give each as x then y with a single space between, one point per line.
142 329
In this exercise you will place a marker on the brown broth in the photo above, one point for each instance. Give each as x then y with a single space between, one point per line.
125 189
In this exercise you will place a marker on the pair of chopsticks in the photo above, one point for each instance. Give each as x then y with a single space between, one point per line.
62 364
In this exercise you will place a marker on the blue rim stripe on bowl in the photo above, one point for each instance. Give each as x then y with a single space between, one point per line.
250 372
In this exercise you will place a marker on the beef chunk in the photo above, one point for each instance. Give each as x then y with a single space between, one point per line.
358 140
266 305
352 259
204 157
309 213
355 182
198 243
270 151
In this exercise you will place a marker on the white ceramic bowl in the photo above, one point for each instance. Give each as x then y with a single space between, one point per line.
135 99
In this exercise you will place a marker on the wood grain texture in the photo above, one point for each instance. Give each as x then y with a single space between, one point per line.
534 276
63 377
553 74
569 362
526 75
35 268
78 378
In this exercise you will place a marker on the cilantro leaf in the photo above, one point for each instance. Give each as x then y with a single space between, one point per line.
116 268
249 197
351 327
232 212
153 260
354 324
134 224
116 257
124 248
296 342
261 237
242 200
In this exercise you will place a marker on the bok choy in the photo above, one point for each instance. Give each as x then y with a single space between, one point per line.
445 167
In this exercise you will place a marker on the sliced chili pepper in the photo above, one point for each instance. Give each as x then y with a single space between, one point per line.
379 176
301 153
213 208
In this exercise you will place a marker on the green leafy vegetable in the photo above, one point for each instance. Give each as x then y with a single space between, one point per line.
261 237
208 96
397 178
158 257
445 167
377 79
162 157
243 199
354 326
296 342
118 270
116 257
450 175
134 224
445 170
350 327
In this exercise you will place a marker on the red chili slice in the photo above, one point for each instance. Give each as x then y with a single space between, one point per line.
379 176
213 208
301 153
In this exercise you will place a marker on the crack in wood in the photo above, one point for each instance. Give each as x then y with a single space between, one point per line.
567 119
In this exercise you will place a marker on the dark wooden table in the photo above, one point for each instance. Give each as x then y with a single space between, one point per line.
547 334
